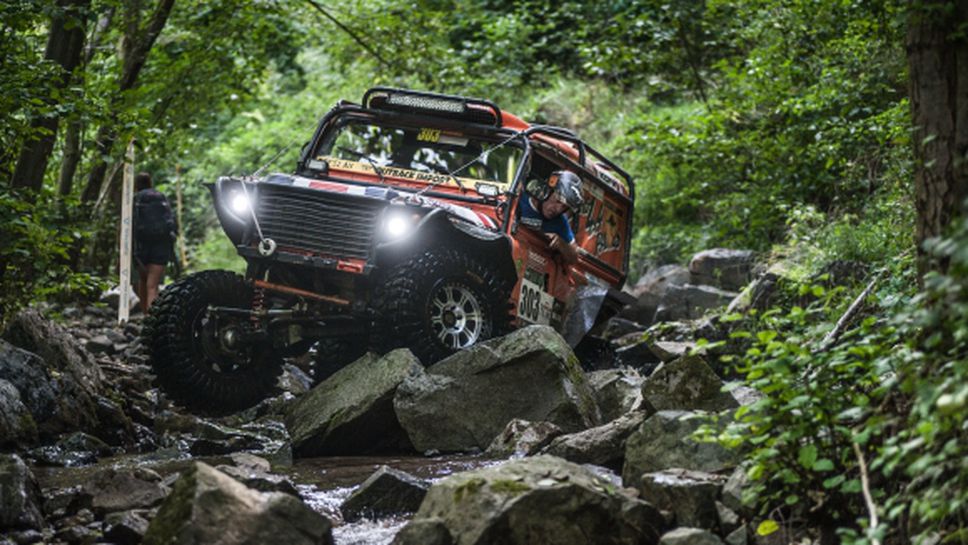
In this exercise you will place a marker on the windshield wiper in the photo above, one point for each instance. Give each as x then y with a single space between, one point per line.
367 158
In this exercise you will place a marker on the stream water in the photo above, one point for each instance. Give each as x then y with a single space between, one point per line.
324 483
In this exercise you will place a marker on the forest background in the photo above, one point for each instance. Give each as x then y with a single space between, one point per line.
790 127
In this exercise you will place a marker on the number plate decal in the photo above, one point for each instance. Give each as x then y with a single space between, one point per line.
534 305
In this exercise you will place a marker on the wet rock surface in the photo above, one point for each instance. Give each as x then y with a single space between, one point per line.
664 441
387 492
518 501
209 507
352 412
110 452
522 438
530 374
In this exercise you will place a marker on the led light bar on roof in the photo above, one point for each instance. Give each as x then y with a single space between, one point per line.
426 103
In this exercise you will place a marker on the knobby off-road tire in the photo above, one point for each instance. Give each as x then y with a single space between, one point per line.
440 301
334 354
181 352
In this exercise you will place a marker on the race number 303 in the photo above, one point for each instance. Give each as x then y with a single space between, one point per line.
534 305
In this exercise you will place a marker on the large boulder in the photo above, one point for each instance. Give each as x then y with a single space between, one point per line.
603 445
209 507
386 492
686 384
463 402
20 499
52 375
351 412
33 332
651 290
617 391
17 426
665 441
522 438
721 267
534 500
690 495
690 302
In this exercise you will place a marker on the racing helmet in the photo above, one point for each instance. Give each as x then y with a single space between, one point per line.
564 183
567 185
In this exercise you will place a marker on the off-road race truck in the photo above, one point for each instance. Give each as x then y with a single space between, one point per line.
398 228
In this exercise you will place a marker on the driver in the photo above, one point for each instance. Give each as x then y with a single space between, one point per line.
544 208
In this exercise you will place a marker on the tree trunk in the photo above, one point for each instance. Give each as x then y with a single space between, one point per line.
135 46
937 52
64 45
75 129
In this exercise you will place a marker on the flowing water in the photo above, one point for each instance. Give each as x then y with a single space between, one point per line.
324 483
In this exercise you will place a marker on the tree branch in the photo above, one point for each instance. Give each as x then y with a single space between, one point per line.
348 31
831 338
866 490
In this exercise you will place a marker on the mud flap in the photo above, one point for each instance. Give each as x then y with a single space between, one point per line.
590 306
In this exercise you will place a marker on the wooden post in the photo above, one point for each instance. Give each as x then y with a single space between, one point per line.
124 268
182 254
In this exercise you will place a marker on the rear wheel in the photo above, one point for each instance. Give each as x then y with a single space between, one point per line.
439 302
199 358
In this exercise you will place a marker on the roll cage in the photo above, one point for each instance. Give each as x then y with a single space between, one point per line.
481 118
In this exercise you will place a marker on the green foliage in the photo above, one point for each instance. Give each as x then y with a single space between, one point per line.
35 259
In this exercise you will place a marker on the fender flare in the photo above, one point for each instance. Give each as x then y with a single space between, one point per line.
440 229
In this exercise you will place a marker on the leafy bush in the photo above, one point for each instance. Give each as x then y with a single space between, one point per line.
35 261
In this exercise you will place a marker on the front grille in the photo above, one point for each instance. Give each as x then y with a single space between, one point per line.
325 223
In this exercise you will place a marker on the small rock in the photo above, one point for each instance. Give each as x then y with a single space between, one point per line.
617 391
100 344
125 528
728 519
690 495
20 497
618 327
671 350
429 531
387 492
738 536
733 490
637 355
124 489
602 446
522 438
77 449
690 536
64 502
686 384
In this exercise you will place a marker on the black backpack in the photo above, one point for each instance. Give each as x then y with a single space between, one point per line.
152 216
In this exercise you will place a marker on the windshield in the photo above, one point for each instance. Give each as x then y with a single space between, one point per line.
423 150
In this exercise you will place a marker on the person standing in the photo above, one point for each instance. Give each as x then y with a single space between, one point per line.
154 233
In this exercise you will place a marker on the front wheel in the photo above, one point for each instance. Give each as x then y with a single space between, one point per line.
198 357
441 301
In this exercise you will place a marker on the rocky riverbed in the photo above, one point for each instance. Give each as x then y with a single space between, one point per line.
512 441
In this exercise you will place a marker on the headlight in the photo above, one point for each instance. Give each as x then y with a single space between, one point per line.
399 223
240 203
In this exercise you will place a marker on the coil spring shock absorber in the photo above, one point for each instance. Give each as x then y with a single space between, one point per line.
258 307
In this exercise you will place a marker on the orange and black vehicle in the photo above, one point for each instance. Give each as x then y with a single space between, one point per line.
401 225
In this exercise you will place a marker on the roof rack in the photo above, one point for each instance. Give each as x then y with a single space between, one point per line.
440 105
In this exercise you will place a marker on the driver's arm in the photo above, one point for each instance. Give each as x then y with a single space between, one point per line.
567 250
